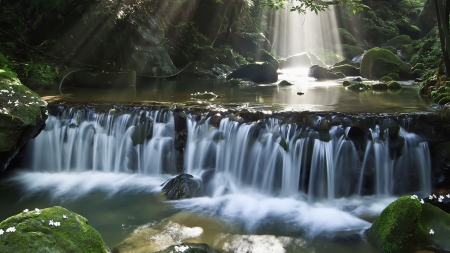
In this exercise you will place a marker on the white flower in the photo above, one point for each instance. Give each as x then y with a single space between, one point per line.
9 102
64 216
441 197
37 210
430 197
1 231
440 200
448 196
11 229
434 196
10 95
24 96
51 223
17 101
57 224
25 211
431 232
414 197
422 202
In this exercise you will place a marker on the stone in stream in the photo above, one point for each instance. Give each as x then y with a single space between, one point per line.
407 225
181 187
53 229
258 73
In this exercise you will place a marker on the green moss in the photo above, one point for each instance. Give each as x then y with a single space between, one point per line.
393 229
419 66
350 51
444 100
399 41
433 218
394 85
386 79
34 234
346 69
358 86
378 62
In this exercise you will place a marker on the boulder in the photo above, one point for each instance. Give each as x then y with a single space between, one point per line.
376 34
256 72
321 73
378 62
346 69
181 187
394 229
53 229
22 116
188 248
398 41
410 225
285 83
394 85
244 43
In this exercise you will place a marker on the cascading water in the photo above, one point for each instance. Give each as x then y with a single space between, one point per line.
273 158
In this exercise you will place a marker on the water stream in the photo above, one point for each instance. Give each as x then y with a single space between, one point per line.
269 177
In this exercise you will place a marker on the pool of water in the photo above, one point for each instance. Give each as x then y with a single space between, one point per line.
116 204
318 95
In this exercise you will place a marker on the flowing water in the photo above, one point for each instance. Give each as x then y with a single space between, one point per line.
281 180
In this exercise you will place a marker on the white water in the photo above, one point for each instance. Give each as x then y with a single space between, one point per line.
313 187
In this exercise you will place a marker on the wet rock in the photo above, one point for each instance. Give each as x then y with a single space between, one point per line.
285 83
188 248
297 61
181 187
346 69
258 73
48 231
321 73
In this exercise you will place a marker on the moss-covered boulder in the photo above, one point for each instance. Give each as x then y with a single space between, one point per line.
410 225
394 85
377 33
257 72
378 62
22 116
321 73
386 79
379 86
393 230
394 76
398 41
344 36
53 229
346 69
358 86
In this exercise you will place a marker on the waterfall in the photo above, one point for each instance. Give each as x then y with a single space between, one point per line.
280 159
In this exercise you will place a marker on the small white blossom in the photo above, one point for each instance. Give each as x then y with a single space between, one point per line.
12 92
414 197
9 102
448 196
50 223
430 197
11 229
57 224
441 197
431 232
1 231
10 95
17 101
24 96
64 216
440 200
422 202
25 211
434 196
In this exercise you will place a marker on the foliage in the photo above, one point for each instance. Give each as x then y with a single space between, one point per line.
39 73
302 6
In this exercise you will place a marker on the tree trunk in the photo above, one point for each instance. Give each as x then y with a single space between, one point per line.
442 13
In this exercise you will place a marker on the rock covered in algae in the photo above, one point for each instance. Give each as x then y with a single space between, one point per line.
53 229
393 230
22 116
379 62
406 226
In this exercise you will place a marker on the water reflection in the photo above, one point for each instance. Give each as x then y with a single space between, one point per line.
318 95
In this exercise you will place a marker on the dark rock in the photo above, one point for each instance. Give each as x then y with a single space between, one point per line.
358 79
188 248
406 28
321 73
346 83
285 83
181 187
346 69
258 73
350 51
265 56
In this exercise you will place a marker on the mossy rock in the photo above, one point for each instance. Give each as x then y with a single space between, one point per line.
346 69
33 233
386 79
393 229
256 72
432 218
444 100
22 117
398 41
418 73
346 83
376 33
394 85
344 36
349 51
378 62
358 86
380 86
394 76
